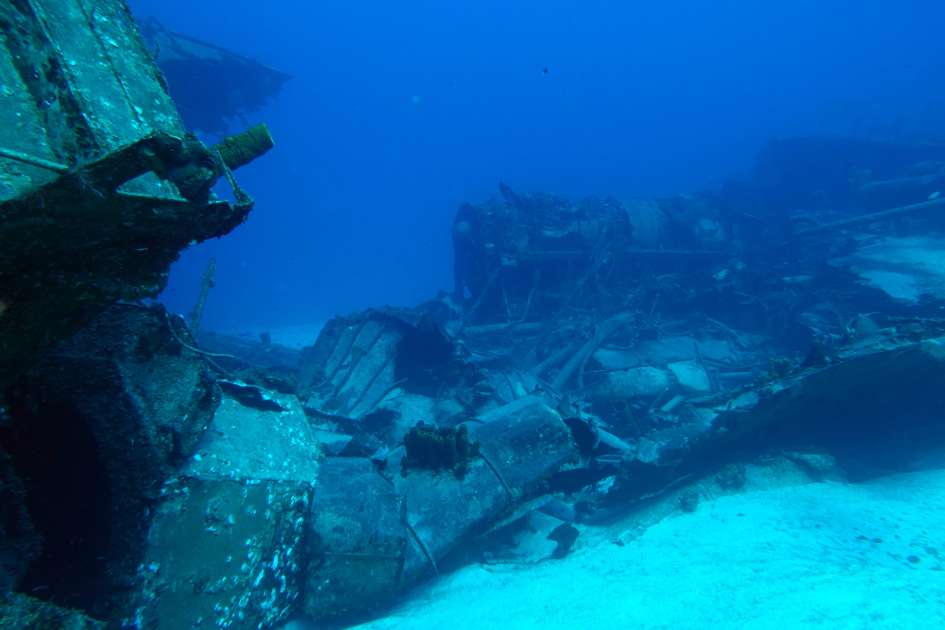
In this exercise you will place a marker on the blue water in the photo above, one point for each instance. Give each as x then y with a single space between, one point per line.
399 111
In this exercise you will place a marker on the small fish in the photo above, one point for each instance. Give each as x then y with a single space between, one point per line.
935 195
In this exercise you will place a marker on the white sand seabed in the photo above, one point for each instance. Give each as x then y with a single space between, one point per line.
821 555
905 268
296 336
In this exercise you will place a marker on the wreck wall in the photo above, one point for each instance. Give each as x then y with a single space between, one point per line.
78 83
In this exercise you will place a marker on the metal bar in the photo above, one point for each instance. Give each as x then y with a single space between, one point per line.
875 216
18 156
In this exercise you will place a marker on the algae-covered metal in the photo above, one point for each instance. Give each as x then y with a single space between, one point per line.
100 184
77 83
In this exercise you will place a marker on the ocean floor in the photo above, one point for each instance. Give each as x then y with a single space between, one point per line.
906 268
818 555
295 336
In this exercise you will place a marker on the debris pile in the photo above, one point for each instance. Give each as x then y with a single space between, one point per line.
594 356
658 339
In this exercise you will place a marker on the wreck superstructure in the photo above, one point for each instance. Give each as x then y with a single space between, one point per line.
100 183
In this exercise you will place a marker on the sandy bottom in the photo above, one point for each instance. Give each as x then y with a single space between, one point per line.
824 555
905 268
296 336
